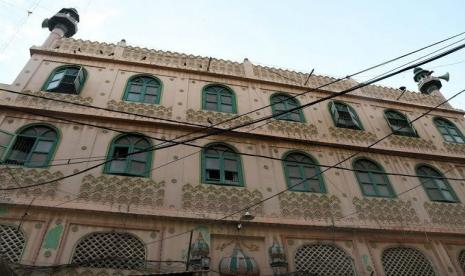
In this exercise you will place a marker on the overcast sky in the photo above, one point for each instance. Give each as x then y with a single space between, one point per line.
335 38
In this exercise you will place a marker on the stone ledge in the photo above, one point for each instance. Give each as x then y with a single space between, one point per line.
446 213
352 134
141 108
303 205
385 210
293 128
35 101
208 118
211 198
110 189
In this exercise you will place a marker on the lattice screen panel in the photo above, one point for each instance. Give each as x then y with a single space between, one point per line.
110 250
322 259
462 259
11 243
406 261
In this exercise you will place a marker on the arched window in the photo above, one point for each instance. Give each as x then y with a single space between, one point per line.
400 124
34 146
437 189
12 243
66 79
372 179
344 116
221 165
449 131
127 163
218 98
323 259
405 261
143 89
110 250
302 173
281 103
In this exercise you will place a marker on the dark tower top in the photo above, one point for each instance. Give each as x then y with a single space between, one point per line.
65 19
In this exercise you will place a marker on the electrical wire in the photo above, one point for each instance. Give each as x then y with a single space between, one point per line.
205 147
220 131
313 176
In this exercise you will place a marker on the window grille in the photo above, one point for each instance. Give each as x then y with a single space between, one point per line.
323 259
462 260
406 261
400 124
12 243
110 250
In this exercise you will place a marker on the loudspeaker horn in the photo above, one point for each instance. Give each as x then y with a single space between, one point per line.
445 77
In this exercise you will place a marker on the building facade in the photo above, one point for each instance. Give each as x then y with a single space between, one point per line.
79 123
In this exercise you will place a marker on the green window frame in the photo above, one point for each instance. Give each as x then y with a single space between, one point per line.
219 98
221 164
302 173
6 139
143 89
124 162
449 131
67 79
281 103
437 189
33 146
399 123
344 116
372 179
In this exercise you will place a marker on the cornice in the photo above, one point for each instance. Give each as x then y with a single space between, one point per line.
246 71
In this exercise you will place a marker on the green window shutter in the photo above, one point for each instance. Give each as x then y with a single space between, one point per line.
34 146
436 188
218 98
334 113
143 89
302 174
355 118
221 165
79 80
372 179
123 159
6 140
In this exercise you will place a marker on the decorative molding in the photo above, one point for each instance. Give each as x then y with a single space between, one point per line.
385 210
24 177
446 213
238 241
226 67
302 205
352 134
454 148
411 142
108 189
293 128
388 93
35 101
141 108
210 198
211 117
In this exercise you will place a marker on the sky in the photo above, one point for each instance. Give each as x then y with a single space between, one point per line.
335 38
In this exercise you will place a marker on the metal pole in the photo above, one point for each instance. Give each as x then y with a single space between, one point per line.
189 251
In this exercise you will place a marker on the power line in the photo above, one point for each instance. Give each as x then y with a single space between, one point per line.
220 131
315 175
204 147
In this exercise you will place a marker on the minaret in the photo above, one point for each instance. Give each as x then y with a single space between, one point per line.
62 24
427 84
